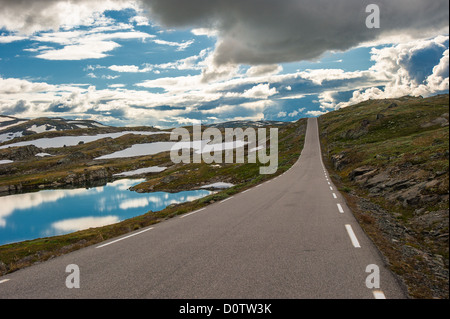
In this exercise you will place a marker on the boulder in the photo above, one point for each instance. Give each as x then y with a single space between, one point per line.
362 170
22 152
378 179
339 161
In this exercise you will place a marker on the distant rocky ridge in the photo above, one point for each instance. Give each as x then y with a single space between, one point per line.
254 124
12 127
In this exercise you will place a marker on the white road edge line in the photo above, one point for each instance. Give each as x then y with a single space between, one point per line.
378 294
115 241
341 210
331 188
199 210
245 191
226 199
352 235
334 195
4 280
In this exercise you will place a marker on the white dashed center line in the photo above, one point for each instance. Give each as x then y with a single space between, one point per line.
378 294
352 236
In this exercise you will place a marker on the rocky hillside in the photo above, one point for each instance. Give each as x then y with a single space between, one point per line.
391 160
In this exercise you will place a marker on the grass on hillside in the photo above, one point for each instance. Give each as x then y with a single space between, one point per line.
409 139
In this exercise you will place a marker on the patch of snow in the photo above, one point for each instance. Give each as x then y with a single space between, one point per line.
99 125
145 149
140 150
6 162
218 185
43 154
9 136
152 169
11 125
6 118
41 128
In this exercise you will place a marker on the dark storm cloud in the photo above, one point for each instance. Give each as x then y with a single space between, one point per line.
268 31
250 31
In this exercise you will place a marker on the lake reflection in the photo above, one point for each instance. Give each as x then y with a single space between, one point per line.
61 211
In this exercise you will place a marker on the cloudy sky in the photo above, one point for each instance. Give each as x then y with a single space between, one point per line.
177 62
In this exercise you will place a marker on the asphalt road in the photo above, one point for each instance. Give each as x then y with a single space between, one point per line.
291 237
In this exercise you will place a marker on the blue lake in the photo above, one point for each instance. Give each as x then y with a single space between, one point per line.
61 211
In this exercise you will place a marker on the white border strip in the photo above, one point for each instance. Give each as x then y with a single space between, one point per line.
115 241
199 210
226 199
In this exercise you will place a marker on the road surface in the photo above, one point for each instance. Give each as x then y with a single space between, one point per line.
291 237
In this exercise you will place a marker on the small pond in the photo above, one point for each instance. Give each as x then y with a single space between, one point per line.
61 211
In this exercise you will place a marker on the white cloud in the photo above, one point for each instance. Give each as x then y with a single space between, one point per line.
116 86
260 91
393 65
11 38
205 31
140 20
293 113
91 50
79 45
296 112
29 17
260 70
315 113
128 68
181 46
15 86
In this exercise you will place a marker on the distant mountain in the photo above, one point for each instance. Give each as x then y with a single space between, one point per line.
254 124
12 127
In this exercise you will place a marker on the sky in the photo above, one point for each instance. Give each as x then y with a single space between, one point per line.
167 63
